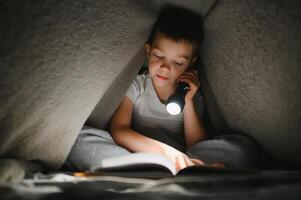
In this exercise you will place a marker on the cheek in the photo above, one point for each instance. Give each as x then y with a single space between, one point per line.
177 73
153 64
152 67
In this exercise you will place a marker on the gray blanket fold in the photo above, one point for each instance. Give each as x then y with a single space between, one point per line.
58 59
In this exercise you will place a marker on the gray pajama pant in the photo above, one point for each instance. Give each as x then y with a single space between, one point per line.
93 145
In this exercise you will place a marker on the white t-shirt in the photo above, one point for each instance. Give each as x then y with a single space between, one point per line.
150 117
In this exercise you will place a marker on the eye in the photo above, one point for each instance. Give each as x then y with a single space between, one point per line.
158 56
178 63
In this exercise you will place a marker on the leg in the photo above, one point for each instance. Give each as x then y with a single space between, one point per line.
91 146
236 151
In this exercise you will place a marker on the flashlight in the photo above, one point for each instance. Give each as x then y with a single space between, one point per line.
175 103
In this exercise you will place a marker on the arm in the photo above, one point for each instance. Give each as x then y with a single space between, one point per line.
193 126
124 136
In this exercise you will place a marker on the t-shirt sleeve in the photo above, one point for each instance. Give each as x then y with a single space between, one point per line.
135 89
199 104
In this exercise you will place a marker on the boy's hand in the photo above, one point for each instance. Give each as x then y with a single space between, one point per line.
179 159
191 78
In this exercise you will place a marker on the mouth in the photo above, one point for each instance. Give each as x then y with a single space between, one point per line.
162 77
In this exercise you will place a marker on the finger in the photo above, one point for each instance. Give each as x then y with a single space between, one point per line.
191 78
190 81
218 165
197 162
193 73
181 162
190 75
188 161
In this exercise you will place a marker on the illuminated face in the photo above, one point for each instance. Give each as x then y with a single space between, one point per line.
168 60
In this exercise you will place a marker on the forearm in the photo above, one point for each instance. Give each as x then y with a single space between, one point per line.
193 126
136 142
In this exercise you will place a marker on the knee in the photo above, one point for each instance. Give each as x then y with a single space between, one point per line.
235 150
97 134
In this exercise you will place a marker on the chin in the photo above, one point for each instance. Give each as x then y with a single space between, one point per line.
161 83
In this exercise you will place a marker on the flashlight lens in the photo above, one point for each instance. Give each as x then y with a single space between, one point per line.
173 108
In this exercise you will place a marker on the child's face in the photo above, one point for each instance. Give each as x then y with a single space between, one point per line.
168 60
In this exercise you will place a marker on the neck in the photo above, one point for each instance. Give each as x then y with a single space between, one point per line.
164 92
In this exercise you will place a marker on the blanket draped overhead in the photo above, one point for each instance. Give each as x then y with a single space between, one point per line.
66 63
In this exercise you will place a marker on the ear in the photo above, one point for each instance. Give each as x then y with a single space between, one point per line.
147 50
194 59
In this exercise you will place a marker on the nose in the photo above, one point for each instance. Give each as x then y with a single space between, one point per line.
165 66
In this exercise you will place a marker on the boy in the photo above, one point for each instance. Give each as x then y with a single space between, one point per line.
141 123
171 51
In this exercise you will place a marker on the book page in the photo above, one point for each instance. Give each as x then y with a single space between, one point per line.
136 159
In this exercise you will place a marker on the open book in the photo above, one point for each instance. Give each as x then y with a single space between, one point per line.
146 165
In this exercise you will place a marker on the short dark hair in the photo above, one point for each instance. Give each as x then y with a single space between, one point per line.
178 24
